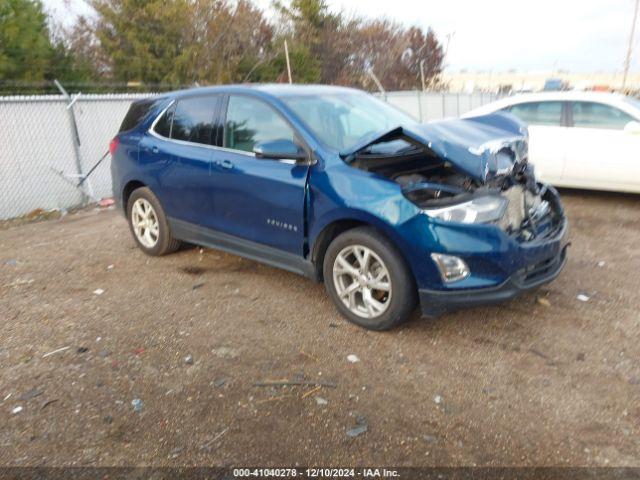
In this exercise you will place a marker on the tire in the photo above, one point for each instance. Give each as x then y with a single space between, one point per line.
156 239
383 262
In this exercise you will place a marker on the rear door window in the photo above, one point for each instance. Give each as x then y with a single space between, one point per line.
539 113
193 120
599 115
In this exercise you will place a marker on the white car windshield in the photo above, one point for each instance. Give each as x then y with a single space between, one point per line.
633 101
343 120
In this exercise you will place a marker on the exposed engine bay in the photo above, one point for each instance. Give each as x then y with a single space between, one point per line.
530 209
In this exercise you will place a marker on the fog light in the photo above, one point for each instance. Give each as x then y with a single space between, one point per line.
451 268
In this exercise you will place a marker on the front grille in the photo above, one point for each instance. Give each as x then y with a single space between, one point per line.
541 270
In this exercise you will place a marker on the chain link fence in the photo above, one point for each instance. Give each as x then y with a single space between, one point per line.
49 143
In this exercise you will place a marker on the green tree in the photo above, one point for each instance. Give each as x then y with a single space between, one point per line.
143 38
25 48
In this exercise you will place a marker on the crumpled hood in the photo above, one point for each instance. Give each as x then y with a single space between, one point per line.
482 147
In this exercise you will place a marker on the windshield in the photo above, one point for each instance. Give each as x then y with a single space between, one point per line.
633 101
343 120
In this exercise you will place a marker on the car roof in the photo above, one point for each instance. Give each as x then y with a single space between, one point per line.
578 95
615 99
278 90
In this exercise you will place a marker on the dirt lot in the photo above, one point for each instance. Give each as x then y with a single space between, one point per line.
531 382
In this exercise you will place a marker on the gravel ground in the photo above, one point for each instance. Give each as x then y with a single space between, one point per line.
546 379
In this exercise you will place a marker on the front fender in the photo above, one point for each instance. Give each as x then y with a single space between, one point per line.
338 195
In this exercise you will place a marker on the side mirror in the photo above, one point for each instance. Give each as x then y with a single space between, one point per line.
279 150
632 127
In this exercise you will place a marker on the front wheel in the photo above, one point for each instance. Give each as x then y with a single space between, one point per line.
368 279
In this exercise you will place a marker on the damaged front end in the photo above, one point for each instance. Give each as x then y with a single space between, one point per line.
471 171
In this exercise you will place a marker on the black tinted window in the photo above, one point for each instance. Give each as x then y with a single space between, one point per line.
163 126
193 120
250 121
137 111
539 113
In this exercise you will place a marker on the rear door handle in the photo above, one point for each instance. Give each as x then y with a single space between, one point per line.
226 164
155 149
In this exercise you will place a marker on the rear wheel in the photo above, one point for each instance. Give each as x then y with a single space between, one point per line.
148 223
368 280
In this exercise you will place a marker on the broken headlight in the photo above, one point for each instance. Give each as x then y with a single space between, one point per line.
484 209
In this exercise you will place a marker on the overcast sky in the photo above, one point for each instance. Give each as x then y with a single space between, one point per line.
499 35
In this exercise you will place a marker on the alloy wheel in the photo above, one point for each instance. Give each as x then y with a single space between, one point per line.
145 223
362 281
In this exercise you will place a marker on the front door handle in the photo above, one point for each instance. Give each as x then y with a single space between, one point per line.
226 164
155 149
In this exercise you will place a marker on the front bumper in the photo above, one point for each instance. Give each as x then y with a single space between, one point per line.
530 276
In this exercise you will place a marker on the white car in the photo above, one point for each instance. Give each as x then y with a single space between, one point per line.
579 139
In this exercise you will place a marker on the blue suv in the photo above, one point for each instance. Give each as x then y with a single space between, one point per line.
336 185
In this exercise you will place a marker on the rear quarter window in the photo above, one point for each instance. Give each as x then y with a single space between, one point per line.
164 123
137 112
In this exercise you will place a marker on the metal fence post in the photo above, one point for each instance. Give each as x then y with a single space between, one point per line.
420 106
76 139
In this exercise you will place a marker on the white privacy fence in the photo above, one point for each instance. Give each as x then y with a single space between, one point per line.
49 143
429 106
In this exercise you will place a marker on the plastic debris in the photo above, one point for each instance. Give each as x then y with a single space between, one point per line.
437 399
357 431
321 401
175 452
601 263
360 427
543 301
98 291
16 410
583 298
29 394
208 443
353 358
106 202
188 359
137 405
109 267
55 351
219 382
11 262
